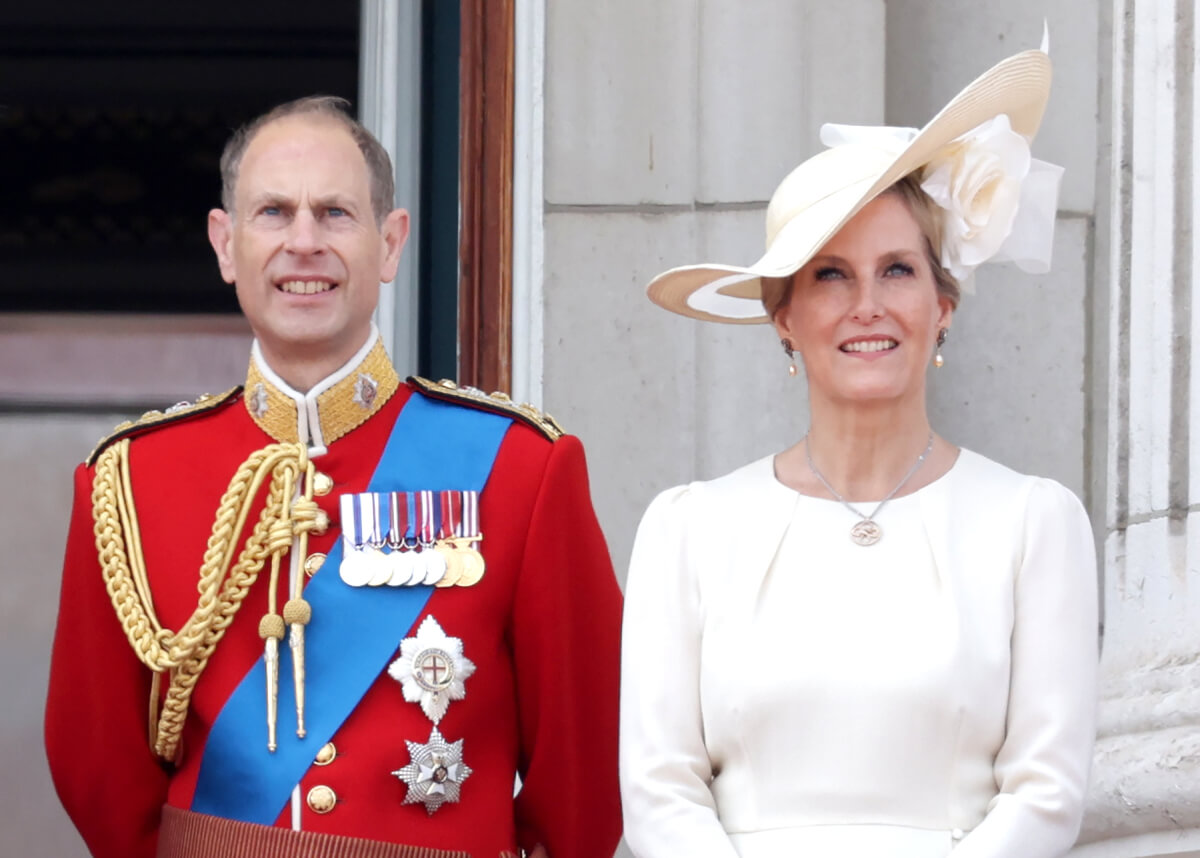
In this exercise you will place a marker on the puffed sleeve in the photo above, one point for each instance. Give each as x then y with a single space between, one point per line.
97 711
1042 766
566 648
665 768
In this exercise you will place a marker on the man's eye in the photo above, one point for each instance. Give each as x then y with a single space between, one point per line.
335 211
271 211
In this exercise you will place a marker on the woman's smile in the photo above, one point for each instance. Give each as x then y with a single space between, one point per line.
869 346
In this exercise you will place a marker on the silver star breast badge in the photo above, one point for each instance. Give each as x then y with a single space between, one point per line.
436 772
432 669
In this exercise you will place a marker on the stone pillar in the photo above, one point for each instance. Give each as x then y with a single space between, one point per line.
1144 798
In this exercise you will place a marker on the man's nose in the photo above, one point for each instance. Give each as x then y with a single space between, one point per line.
304 233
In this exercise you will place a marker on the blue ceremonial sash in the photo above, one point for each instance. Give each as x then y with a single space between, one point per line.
354 633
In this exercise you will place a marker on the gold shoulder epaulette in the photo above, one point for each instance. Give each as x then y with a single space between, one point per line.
177 412
473 397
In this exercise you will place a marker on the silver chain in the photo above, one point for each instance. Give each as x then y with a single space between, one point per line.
917 464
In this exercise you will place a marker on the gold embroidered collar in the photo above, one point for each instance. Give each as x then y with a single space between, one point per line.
335 406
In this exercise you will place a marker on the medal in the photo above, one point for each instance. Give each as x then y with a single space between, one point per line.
453 565
432 669
435 773
412 539
434 563
472 567
402 564
450 506
404 568
375 537
355 570
472 560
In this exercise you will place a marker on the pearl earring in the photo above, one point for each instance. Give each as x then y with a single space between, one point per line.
790 352
938 360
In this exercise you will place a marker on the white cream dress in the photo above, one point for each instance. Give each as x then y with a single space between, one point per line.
786 692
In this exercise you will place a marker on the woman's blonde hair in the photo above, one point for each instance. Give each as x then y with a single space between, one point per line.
777 291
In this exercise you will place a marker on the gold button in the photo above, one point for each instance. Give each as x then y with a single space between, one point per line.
321 799
326 755
313 563
322 484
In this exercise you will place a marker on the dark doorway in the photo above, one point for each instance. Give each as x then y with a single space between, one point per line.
112 119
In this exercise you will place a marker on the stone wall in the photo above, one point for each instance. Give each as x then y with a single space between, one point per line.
667 126
37 456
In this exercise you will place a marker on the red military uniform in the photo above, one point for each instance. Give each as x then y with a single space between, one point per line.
541 628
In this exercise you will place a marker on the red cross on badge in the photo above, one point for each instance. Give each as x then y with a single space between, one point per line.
433 669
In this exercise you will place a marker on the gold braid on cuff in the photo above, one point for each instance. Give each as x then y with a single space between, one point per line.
182 655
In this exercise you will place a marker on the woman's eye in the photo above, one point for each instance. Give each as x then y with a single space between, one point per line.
899 269
829 273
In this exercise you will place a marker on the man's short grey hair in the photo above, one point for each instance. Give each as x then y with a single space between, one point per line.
379 165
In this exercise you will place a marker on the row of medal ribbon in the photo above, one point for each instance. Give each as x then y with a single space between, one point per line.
409 539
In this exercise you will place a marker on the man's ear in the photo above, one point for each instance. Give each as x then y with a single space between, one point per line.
220 236
395 234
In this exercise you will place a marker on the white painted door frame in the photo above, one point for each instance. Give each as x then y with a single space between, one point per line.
389 87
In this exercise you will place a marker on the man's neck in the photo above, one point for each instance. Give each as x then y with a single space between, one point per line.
318 401
303 370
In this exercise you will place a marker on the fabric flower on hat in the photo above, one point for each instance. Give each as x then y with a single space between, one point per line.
1000 203
977 180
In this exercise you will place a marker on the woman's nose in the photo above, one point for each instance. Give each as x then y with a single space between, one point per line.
868 305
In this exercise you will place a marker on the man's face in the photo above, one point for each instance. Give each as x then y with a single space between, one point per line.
302 245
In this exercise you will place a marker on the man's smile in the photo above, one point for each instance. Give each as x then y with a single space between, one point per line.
305 287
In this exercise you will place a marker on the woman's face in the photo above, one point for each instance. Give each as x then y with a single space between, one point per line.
864 313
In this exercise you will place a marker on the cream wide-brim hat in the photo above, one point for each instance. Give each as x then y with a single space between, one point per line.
817 198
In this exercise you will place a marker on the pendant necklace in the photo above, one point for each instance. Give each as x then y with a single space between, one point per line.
867 531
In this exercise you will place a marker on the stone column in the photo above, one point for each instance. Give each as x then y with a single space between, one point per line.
1144 798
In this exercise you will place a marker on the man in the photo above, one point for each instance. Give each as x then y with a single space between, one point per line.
405 601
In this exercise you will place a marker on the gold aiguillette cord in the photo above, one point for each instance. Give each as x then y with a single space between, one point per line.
297 612
301 516
178 658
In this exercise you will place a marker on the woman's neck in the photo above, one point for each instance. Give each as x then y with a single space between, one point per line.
864 452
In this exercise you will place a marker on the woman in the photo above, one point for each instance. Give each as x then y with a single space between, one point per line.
873 643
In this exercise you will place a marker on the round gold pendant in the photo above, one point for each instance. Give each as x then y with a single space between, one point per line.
866 532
